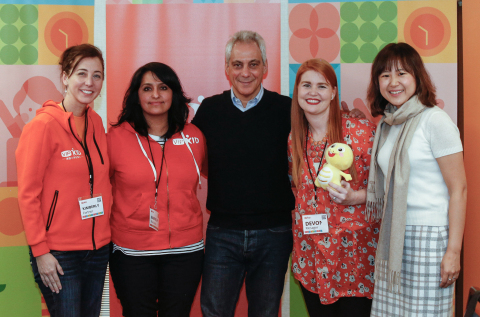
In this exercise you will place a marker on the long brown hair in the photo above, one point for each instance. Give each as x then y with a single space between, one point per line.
299 121
391 57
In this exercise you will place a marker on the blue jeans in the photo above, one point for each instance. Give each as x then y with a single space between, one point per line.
258 256
82 283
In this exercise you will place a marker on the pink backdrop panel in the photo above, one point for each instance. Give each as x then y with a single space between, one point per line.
188 37
191 39
21 95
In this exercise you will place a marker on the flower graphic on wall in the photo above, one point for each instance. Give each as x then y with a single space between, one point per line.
314 32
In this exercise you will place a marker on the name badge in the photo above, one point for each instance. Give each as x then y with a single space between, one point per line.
315 223
153 219
91 207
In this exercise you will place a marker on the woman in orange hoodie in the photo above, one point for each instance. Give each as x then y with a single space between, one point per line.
155 163
64 191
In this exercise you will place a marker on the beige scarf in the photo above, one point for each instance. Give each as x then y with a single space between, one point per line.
390 205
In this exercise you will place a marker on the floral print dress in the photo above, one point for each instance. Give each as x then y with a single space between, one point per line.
339 263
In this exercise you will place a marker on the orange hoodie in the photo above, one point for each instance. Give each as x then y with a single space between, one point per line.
53 174
179 212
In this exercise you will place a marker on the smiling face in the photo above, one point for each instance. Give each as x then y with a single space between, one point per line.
397 85
155 97
85 82
315 93
340 155
245 70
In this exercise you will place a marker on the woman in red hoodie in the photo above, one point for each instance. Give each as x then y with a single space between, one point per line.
155 162
64 191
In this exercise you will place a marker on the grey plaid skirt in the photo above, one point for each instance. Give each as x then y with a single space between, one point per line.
420 293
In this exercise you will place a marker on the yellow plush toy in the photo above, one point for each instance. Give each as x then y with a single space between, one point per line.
339 157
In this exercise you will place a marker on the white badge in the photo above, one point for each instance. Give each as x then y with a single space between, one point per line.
315 223
91 207
153 219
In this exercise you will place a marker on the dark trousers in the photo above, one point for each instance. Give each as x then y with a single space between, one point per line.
344 307
82 283
163 283
258 256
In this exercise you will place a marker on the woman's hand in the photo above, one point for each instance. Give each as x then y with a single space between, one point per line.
449 268
345 195
48 267
453 173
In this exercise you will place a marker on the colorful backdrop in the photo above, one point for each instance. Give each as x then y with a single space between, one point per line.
190 36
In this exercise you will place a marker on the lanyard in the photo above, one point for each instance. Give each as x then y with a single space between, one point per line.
85 149
152 164
308 164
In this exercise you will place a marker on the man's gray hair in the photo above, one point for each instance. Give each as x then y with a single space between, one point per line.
245 36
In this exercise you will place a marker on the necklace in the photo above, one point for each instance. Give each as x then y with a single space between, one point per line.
316 147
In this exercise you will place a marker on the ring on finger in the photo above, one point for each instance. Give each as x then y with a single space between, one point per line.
334 198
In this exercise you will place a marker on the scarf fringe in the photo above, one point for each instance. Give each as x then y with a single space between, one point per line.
393 278
373 210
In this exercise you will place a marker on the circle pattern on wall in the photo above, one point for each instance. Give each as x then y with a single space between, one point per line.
18 34
314 32
366 27
64 30
428 31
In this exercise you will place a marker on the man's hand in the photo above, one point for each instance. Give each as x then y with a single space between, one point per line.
354 113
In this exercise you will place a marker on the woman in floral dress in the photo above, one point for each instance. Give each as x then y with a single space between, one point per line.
334 268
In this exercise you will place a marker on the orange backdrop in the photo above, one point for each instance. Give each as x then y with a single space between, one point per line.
471 69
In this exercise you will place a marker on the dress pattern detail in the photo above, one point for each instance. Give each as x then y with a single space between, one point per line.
339 263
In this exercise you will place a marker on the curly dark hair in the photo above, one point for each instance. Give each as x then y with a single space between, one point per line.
132 111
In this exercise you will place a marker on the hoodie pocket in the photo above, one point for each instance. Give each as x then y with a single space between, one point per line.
51 212
185 211
138 220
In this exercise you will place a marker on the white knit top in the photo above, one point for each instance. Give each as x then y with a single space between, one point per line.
436 136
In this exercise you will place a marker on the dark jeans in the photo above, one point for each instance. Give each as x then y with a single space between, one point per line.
82 283
344 307
164 283
258 256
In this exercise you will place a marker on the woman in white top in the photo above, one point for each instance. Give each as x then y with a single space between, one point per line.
417 187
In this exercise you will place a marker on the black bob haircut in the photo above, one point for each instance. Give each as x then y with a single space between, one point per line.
132 111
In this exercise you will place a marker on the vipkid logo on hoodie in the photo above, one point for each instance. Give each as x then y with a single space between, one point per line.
71 154
191 140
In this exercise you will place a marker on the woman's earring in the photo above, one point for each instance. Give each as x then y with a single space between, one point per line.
333 97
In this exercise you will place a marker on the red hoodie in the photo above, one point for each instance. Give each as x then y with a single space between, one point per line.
180 215
53 174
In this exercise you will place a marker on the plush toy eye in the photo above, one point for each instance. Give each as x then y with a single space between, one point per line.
340 150
332 146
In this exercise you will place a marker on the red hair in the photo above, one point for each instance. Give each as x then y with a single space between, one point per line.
299 121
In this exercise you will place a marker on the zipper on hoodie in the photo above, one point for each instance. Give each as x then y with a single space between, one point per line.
168 205
51 212
89 162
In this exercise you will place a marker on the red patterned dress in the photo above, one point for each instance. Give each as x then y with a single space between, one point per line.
339 263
